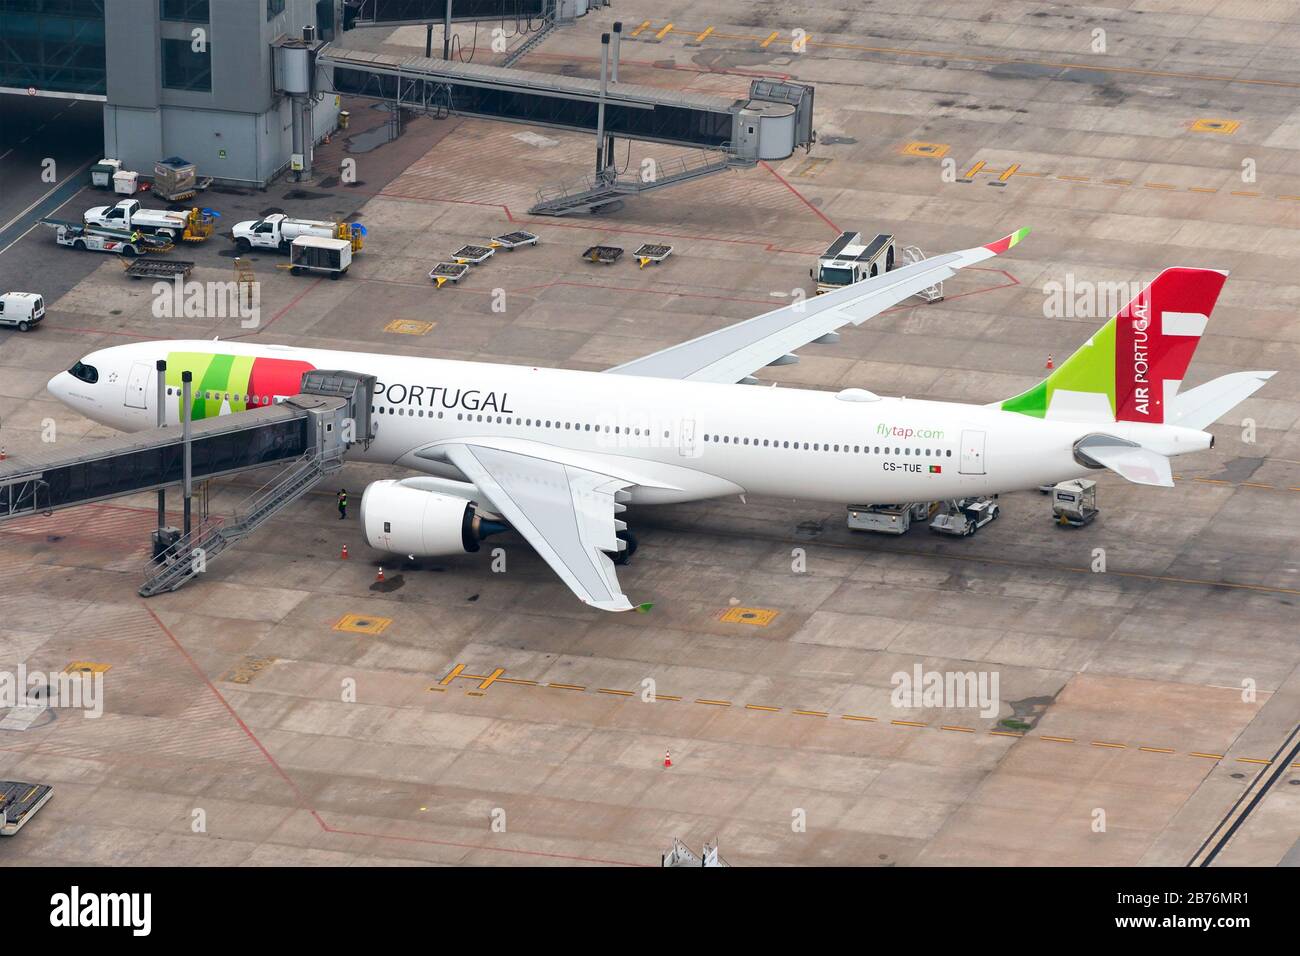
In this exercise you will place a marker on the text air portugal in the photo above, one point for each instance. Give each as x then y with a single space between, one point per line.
1155 337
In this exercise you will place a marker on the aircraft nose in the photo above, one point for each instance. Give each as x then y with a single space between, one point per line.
58 386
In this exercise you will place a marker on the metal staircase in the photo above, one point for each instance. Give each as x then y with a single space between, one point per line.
591 192
189 556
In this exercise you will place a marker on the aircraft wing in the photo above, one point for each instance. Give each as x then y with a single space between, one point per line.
565 512
734 353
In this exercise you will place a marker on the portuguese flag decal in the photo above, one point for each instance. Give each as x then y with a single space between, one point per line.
936 469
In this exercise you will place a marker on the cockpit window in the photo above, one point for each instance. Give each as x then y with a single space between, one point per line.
87 373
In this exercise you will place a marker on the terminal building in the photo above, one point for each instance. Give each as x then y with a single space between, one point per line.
245 88
189 78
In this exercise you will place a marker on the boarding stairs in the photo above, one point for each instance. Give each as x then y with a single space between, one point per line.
189 556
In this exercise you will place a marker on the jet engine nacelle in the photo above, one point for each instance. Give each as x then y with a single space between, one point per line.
407 520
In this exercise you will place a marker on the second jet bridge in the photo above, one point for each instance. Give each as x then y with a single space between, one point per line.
775 118
305 435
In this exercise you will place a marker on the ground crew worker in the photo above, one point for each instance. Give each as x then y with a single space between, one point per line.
343 503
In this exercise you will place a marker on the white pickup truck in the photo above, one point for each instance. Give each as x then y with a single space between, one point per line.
278 231
21 310
128 215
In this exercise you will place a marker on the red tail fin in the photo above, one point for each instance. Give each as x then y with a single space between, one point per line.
1155 337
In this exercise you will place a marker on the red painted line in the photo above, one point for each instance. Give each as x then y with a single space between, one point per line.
302 802
270 322
820 215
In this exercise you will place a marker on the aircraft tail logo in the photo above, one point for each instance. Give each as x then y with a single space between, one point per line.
1132 368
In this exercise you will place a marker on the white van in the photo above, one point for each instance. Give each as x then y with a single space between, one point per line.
21 310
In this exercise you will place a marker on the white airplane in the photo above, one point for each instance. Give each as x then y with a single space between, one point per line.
557 454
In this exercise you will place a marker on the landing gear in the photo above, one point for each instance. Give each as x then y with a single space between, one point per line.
623 557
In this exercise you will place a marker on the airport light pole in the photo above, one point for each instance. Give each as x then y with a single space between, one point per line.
600 107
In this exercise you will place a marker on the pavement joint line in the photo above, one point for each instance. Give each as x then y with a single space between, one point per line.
1051 64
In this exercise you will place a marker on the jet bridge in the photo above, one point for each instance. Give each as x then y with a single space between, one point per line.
306 435
769 124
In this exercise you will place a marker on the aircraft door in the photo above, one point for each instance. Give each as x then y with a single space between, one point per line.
972 453
137 385
686 447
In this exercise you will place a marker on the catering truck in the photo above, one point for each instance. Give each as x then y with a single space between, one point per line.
849 259
278 231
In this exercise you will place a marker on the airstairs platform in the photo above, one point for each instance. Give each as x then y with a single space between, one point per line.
307 435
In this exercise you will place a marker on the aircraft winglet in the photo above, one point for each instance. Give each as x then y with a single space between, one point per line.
1006 242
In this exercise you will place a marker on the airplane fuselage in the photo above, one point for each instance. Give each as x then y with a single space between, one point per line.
679 440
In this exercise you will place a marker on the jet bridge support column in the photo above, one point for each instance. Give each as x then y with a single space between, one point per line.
187 382
162 423
613 78
600 104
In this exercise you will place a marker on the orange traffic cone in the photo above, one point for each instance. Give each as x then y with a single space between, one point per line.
381 575
1050 364
668 759
344 555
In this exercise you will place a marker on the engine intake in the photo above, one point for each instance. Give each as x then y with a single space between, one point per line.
405 520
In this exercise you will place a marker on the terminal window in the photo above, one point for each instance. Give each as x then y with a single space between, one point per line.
187 10
183 68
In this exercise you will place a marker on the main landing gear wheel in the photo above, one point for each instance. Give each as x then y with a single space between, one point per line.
623 557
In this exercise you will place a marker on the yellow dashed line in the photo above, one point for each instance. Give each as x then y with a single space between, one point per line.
766 43
496 676
704 36
1255 484
1118 182
970 173
1159 186
640 29
1212 481
1201 189
664 32
1075 179
1292 198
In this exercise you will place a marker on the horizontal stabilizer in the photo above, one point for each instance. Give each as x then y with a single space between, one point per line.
1204 405
1138 465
